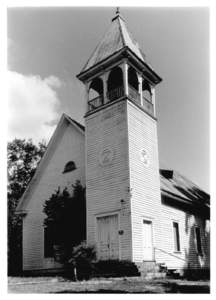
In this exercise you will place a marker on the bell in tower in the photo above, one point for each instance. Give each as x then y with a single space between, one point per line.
122 169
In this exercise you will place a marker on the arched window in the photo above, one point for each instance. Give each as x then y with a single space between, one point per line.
70 166
146 91
115 84
133 79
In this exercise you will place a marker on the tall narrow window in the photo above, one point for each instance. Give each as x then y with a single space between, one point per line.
48 242
198 240
176 236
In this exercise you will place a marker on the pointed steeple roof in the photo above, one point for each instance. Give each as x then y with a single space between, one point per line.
115 44
116 38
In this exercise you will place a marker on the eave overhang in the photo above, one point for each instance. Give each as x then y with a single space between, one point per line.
185 204
125 52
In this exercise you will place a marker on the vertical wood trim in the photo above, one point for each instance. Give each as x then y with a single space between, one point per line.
140 88
105 78
125 77
129 177
153 99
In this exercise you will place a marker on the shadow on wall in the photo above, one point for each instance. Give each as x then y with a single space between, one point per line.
198 253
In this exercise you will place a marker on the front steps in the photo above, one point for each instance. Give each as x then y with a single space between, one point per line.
151 270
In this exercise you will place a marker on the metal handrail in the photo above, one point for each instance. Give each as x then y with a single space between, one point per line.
155 248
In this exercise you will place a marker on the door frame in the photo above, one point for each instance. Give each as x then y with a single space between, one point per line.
108 214
150 220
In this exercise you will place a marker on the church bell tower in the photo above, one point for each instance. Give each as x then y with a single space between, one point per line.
122 168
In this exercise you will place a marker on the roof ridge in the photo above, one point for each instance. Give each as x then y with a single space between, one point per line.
121 32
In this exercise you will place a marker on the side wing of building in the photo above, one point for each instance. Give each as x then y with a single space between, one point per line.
66 146
185 240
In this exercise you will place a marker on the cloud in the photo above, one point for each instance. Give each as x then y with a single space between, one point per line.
33 106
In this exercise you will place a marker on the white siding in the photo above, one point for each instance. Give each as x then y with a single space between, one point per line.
188 252
146 202
144 180
107 186
69 146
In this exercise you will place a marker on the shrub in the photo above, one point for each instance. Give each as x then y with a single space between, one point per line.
82 261
65 220
116 268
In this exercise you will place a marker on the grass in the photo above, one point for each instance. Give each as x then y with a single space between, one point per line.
105 285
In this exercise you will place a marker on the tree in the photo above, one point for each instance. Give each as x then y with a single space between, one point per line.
22 157
66 217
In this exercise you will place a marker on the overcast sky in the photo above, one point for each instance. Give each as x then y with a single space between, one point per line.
47 48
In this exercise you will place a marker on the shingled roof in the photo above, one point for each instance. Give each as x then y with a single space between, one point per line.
175 186
116 38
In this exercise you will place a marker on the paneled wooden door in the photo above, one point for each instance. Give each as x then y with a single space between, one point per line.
147 241
107 237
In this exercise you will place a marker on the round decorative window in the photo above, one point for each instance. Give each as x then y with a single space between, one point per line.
144 157
106 156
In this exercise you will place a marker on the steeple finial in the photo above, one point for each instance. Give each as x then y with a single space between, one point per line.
118 15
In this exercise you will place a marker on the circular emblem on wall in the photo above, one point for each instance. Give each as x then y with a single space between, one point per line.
144 157
106 156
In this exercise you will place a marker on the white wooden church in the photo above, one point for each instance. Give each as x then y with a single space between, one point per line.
135 210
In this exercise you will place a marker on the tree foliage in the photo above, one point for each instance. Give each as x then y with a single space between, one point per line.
22 157
66 216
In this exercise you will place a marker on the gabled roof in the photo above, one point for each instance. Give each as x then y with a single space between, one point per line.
58 131
116 38
75 122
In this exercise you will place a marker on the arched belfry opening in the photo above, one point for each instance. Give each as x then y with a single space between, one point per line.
146 91
95 93
133 79
133 84
115 87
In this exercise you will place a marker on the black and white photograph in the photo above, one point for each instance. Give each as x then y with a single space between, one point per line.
108 149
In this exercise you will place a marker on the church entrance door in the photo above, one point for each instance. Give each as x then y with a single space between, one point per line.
107 237
147 241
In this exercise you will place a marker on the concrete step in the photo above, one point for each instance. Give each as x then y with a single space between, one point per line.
153 275
151 269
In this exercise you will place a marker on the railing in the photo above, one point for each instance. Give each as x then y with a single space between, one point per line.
148 106
118 93
170 254
95 103
133 93
115 94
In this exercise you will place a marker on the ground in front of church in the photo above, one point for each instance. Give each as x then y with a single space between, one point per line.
105 285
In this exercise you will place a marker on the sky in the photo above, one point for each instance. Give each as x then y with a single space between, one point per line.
47 48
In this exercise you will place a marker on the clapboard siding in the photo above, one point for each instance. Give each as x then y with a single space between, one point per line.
68 146
107 186
188 252
146 202
144 180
